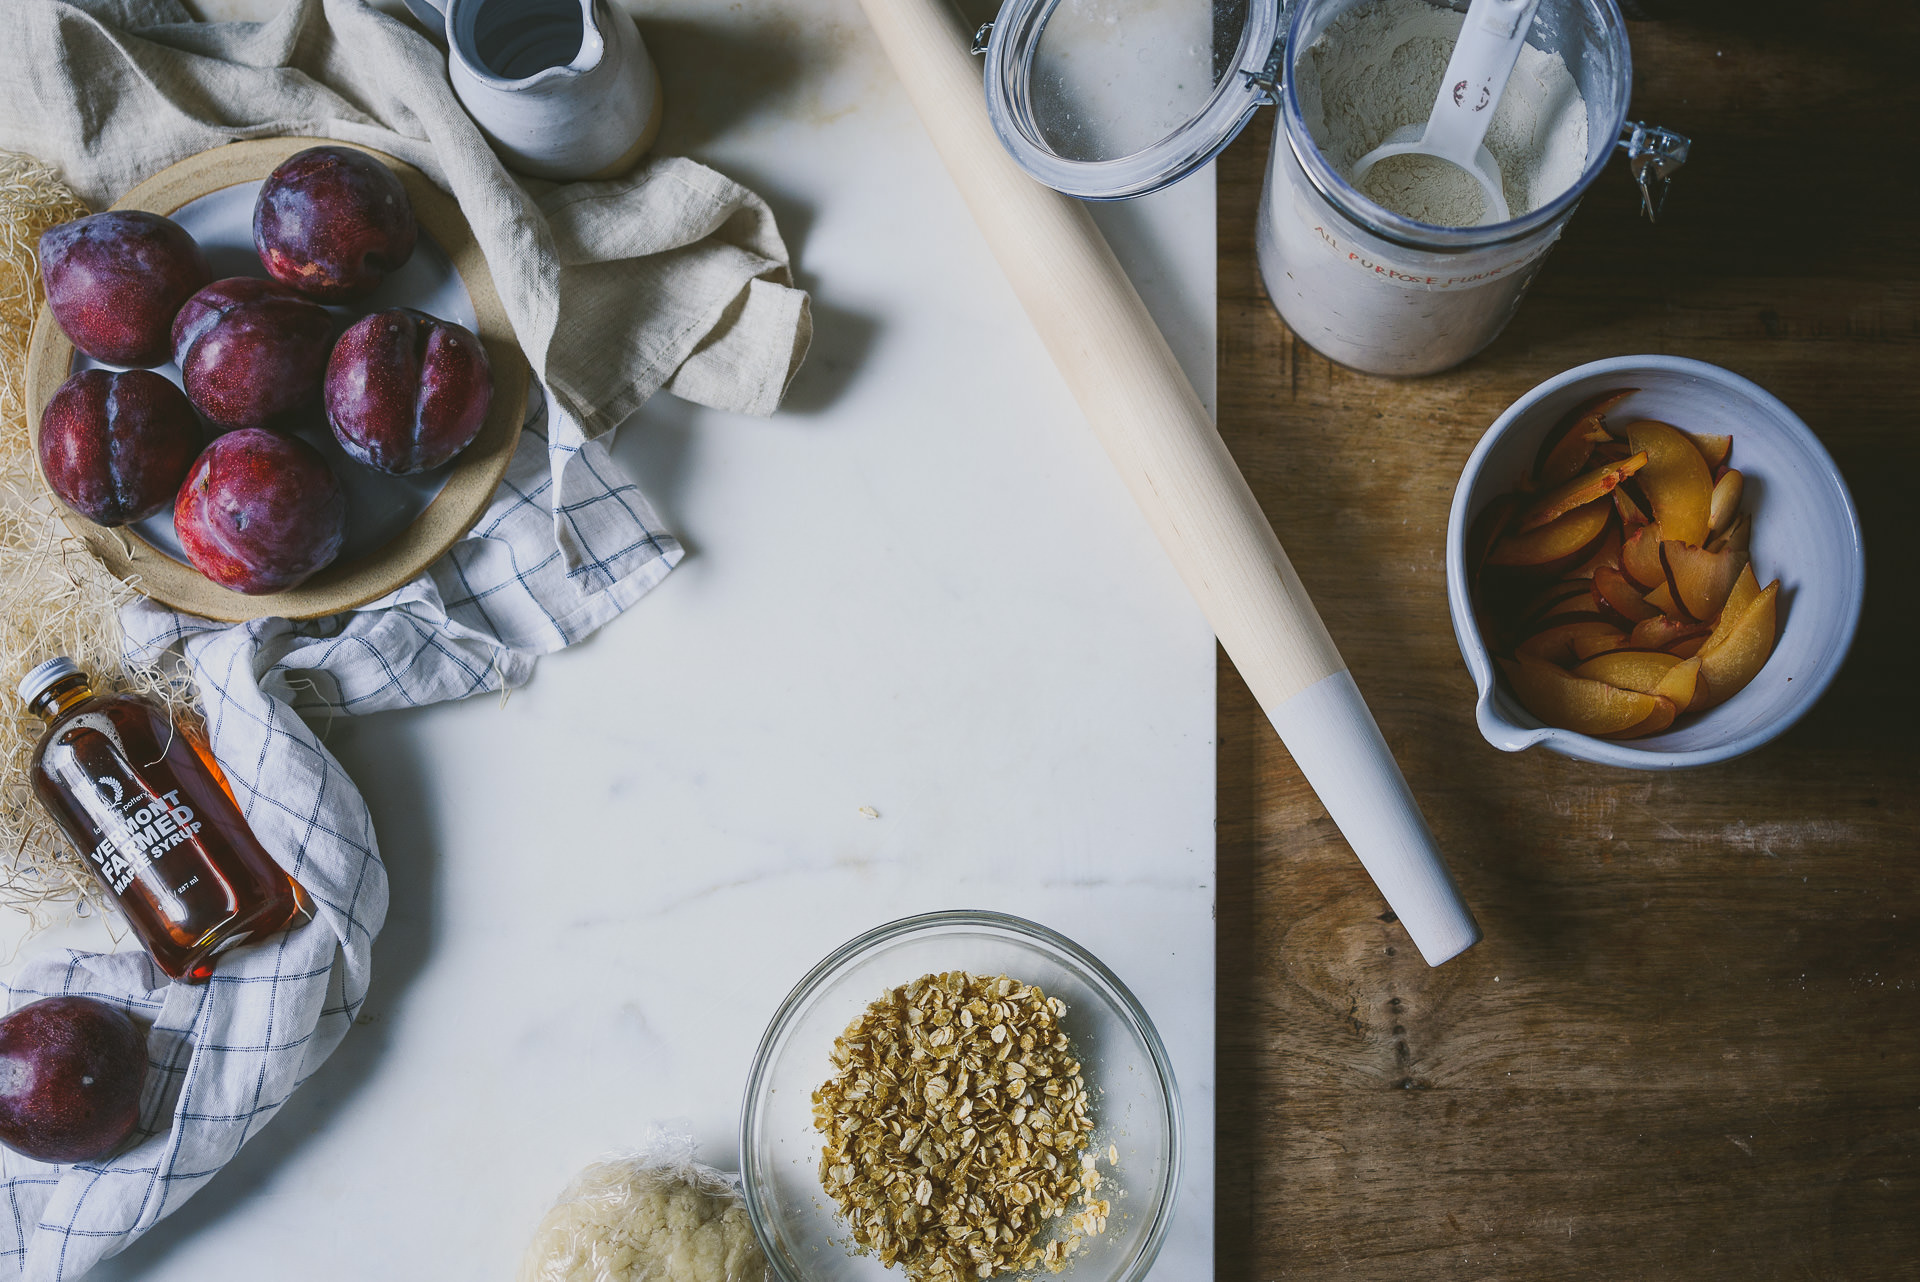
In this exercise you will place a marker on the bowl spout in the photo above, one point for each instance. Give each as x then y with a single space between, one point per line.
1503 734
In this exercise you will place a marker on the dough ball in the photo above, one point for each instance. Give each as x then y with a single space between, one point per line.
629 1222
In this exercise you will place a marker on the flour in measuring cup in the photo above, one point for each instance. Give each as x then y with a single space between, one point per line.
1416 301
1377 67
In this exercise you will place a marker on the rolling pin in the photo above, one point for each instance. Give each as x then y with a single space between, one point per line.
1146 414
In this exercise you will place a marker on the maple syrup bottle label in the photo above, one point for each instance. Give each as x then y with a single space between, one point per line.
144 802
149 829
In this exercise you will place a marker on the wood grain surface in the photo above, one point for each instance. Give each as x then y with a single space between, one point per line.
1690 1044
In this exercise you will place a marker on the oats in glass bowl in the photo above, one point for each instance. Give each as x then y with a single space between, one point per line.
956 1125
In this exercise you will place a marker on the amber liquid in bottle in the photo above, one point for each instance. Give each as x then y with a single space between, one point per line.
153 816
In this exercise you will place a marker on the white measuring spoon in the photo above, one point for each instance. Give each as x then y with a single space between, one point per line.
1483 58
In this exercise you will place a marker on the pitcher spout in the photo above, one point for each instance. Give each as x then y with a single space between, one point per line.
593 39
528 45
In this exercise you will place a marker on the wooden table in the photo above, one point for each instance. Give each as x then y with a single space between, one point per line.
1690 1044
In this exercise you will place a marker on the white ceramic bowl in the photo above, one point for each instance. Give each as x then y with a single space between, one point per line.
1805 533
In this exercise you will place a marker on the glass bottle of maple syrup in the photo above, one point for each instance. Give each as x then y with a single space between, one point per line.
143 801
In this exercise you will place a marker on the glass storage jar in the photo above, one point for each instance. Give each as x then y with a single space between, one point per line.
1110 99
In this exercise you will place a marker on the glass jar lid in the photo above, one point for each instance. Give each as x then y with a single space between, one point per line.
1109 99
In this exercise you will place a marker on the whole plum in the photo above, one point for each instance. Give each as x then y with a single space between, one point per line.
114 281
115 446
260 512
251 350
71 1071
332 222
406 391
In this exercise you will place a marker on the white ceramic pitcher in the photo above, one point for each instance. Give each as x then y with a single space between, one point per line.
563 89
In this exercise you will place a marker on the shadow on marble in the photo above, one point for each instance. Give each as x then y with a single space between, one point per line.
842 336
654 447
1239 986
721 78
655 444
384 761
842 339
715 78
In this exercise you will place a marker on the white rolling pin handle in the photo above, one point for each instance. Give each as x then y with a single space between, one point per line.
1338 747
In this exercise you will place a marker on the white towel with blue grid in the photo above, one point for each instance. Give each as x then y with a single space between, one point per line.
671 277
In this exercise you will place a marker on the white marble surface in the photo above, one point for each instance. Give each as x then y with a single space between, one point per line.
920 589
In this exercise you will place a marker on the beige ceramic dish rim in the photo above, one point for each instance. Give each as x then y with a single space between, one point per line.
469 487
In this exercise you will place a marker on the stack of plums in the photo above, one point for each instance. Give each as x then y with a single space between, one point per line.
257 509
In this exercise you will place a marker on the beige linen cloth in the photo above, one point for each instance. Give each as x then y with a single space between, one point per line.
671 277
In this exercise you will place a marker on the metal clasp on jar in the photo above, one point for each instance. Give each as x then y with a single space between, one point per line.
1653 154
1265 82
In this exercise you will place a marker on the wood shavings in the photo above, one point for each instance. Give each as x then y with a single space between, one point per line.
54 597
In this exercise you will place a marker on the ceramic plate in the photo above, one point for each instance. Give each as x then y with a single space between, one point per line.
396 526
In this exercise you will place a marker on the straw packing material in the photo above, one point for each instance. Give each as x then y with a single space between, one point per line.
54 597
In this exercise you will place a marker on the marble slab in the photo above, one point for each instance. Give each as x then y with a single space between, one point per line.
918 591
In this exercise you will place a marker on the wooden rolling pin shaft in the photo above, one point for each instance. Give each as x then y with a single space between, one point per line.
1144 411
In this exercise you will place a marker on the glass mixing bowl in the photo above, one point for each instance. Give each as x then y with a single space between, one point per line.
1136 1106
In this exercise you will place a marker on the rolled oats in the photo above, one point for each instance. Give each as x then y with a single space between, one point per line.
953 1110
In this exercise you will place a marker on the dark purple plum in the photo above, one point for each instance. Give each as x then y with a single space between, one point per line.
406 391
115 446
260 512
114 281
332 222
71 1071
251 351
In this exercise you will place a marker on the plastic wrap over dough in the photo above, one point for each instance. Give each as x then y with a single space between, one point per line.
652 1216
